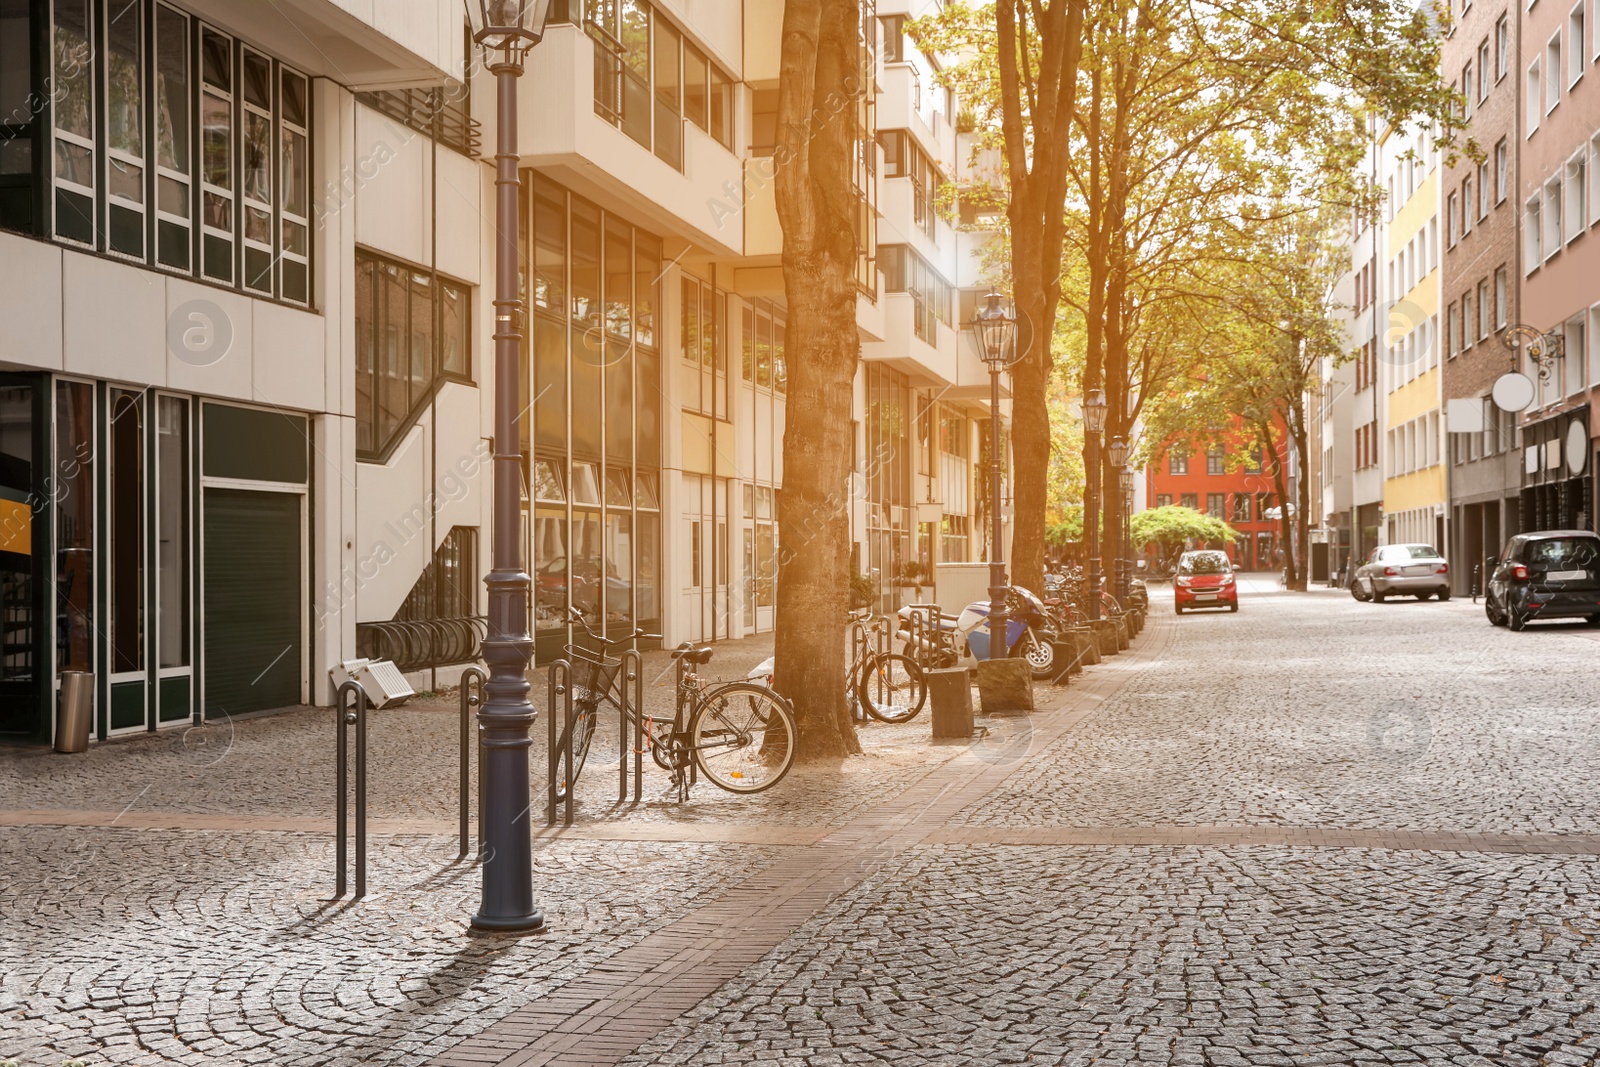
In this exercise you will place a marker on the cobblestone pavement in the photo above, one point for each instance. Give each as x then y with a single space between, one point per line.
1314 832
1404 715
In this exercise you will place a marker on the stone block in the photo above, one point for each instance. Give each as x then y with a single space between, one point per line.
1005 685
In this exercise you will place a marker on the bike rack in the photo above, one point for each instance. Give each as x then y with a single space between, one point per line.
560 696
860 642
350 709
632 705
473 679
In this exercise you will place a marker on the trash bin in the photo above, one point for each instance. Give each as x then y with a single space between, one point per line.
74 711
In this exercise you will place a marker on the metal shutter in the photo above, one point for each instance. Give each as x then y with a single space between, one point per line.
253 635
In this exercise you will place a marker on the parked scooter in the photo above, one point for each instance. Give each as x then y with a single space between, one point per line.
1028 634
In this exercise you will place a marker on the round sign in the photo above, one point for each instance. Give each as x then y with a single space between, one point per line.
1577 447
1512 391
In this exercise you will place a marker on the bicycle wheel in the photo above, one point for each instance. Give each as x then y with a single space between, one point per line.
891 688
743 737
582 730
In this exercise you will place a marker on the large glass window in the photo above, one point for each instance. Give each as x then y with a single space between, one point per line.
172 532
138 88
596 520
75 511
904 271
126 499
410 333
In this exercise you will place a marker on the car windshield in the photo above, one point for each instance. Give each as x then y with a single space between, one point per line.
1204 563
1423 552
1564 552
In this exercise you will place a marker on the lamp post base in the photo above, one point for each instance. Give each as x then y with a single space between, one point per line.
531 923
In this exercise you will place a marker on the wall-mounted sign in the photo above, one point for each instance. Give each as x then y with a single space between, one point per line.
1577 447
1512 391
16 527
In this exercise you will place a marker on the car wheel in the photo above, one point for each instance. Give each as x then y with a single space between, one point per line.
1233 607
1444 594
1379 597
1177 610
1592 620
1356 593
1495 616
1424 596
1516 620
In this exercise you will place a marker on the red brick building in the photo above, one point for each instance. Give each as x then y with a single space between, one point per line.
1238 489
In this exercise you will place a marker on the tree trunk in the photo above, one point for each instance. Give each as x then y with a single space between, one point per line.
1302 518
818 101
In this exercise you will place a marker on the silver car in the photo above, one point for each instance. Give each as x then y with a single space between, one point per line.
1402 570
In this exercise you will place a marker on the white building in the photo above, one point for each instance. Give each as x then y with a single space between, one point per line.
244 389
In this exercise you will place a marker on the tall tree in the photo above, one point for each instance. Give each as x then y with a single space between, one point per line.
820 87
1020 75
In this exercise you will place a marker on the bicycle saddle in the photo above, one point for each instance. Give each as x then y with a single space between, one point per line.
689 654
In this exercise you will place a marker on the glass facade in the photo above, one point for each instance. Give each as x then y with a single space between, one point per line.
593 452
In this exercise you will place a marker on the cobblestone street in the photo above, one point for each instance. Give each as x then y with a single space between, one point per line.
1313 832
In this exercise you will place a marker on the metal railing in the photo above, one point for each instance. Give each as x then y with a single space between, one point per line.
440 113
424 643
473 679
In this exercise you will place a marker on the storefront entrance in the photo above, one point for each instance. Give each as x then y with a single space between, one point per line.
23 540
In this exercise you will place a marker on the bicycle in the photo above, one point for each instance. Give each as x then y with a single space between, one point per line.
740 735
894 679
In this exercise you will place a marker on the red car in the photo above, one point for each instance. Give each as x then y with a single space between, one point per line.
1204 580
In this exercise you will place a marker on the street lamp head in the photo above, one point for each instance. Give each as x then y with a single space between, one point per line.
1126 477
1117 452
512 26
996 332
1094 411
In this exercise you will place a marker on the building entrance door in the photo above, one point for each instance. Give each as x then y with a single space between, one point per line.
24 659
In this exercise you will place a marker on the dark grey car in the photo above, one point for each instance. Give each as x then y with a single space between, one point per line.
1402 570
1551 574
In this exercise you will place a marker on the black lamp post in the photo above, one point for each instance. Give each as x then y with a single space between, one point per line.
510 29
1117 453
1094 424
995 330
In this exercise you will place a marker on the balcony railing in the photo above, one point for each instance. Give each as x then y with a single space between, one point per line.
443 113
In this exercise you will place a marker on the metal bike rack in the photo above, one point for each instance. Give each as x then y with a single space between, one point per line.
350 709
560 696
471 685
860 643
632 706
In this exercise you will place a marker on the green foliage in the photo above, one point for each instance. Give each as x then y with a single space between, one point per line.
1171 526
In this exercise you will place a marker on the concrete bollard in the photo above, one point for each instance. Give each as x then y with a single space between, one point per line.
1105 635
1005 685
950 690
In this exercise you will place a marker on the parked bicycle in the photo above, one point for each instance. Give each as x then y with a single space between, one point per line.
738 734
888 686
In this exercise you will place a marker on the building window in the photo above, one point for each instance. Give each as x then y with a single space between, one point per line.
123 160
1502 47
1532 234
648 78
763 343
1466 206
1550 212
412 333
1484 81
1483 189
1501 311
1502 163
902 158
1451 215
1216 460
1241 507
1534 96
448 586
1163 500
1483 310
1466 321
1178 463
1575 44
1552 73
904 271
1216 505
1190 500
1576 208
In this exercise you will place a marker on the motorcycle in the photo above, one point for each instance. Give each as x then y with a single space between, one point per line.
936 642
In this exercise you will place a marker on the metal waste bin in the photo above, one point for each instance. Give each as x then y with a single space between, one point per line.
75 711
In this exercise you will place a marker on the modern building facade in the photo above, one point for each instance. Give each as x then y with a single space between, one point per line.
246 392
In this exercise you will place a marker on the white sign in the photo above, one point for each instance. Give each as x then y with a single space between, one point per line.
1513 391
1464 415
1577 447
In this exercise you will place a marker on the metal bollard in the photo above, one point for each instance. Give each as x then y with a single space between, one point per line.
559 694
350 709
632 689
471 690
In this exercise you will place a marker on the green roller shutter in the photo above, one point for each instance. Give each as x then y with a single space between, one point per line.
253 640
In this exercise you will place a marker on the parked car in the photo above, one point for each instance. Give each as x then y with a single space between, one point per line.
1552 574
1402 570
1204 579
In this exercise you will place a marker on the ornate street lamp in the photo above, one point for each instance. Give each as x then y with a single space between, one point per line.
1117 454
1094 424
995 330
1126 478
510 29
